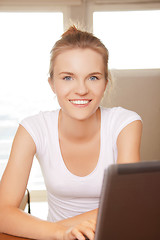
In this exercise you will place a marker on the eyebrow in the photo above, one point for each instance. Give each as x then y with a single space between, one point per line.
70 73
66 73
95 73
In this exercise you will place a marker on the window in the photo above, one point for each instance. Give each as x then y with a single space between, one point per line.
25 44
132 37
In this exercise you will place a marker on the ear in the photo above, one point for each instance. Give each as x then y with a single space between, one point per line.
50 81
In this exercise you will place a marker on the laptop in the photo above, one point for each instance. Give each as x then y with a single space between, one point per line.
130 202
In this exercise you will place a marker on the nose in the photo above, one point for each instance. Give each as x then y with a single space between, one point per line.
81 88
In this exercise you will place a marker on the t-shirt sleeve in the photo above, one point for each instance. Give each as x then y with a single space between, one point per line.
122 118
33 125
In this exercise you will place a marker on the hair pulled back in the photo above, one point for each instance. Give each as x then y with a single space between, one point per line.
75 38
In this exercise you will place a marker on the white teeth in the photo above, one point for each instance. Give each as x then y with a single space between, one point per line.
79 102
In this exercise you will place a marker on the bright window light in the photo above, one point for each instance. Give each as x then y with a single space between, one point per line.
132 38
25 44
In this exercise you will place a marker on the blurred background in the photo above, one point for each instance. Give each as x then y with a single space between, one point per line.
28 31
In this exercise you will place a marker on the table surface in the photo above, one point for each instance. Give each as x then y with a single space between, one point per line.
9 237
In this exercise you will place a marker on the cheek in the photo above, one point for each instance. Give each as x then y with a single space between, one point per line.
99 89
61 90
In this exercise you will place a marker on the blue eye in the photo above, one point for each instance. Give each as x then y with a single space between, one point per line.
67 78
93 78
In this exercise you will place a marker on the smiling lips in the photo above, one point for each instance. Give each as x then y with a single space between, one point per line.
81 102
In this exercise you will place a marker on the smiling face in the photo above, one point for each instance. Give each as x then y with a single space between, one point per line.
79 82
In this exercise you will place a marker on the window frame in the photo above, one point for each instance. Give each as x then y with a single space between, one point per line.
92 7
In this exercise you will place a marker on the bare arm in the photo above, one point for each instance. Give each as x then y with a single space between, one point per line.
12 187
91 215
128 143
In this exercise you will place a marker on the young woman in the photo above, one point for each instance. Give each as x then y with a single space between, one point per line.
73 145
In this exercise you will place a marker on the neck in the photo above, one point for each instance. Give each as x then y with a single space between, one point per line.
78 130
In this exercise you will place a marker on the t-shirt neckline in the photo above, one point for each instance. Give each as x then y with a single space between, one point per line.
63 165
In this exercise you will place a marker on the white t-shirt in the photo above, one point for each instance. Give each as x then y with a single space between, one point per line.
68 194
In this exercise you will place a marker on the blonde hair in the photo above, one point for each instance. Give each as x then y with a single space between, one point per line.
75 38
